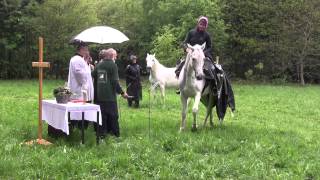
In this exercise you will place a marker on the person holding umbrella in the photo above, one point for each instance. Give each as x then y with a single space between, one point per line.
106 81
133 83
79 79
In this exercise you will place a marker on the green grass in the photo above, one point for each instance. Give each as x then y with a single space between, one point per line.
274 135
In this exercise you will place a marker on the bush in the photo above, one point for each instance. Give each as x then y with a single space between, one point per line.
166 46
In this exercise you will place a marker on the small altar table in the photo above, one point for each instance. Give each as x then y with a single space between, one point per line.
59 115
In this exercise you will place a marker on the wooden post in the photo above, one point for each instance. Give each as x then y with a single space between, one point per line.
40 64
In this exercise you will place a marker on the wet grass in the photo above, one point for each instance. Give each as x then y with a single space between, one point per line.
274 135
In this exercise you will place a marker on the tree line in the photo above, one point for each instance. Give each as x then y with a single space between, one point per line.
275 40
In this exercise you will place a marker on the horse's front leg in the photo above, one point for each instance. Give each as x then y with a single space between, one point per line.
153 88
184 103
162 89
153 91
195 110
209 113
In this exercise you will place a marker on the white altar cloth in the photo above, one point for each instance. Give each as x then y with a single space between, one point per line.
56 114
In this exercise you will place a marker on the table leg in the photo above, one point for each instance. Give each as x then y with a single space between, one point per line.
82 128
69 123
97 128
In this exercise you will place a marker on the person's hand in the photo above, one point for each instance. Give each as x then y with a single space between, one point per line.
125 95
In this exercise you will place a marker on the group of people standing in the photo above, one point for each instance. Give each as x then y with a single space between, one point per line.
100 84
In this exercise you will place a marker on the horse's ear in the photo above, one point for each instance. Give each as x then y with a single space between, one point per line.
189 46
154 55
203 46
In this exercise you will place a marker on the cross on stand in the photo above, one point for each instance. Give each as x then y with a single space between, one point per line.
40 65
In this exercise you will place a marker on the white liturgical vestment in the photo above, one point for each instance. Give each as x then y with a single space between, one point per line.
80 79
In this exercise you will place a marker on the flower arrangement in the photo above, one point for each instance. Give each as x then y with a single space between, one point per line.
62 94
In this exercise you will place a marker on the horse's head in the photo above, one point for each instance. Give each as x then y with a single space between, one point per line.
196 59
151 60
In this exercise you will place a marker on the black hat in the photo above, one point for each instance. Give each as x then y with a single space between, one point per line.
81 45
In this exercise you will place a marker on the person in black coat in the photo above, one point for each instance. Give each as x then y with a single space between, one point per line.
198 35
134 88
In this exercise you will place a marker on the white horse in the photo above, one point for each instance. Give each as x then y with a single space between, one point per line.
160 75
191 82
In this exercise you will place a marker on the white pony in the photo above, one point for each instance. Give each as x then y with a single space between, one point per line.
191 82
160 75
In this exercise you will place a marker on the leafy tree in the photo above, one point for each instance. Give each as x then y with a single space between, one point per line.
11 39
251 27
58 22
176 21
282 35
255 39
166 47
300 27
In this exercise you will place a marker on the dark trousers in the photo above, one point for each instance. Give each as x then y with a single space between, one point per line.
110 124
136 102
56 133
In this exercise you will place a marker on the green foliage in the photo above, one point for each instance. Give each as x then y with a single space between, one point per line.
146 23
282 35
166 47
58 22
175 21
300 35
60 91
274 33
251 26
249 74
278 140
12 38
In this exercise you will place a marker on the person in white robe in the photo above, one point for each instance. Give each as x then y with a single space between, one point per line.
79 79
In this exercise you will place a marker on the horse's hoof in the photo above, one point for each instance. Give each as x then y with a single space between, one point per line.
194 128
181 130
220 122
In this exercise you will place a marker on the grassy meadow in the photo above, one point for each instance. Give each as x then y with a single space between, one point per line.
274 135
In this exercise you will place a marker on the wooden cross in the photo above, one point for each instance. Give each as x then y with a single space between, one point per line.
40 65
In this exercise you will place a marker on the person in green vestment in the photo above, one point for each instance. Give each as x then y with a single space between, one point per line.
106 81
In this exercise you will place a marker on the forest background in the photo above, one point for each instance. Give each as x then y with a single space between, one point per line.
257 40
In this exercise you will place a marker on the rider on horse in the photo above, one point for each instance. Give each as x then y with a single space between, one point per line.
199 35
214 74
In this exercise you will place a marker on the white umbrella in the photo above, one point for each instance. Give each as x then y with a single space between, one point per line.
101 35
